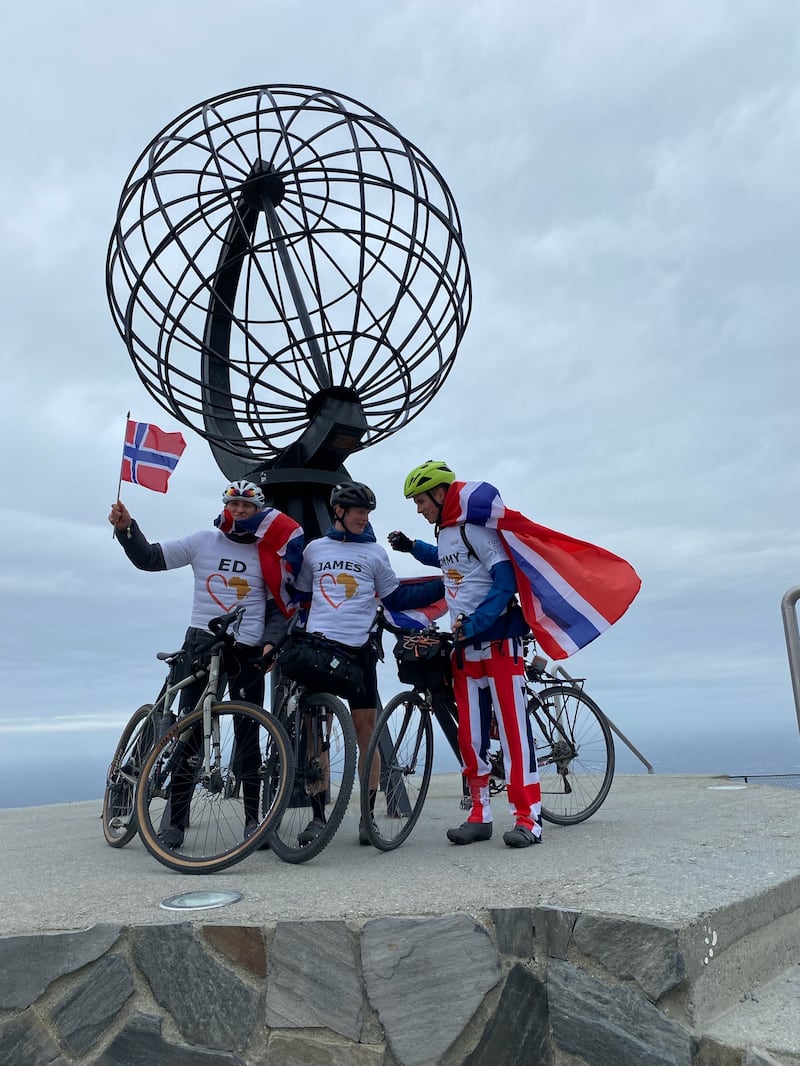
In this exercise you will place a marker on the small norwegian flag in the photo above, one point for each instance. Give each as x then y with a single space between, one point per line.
150 455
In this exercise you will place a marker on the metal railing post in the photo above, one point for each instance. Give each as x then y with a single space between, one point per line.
792 631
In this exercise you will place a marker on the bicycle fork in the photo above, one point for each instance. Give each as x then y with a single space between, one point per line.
211 775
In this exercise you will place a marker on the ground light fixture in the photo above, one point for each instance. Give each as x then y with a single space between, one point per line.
199 901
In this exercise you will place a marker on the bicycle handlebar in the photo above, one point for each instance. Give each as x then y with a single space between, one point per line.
271 656
223 631
222 623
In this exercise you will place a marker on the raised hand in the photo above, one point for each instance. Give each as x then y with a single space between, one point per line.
400 542
119 516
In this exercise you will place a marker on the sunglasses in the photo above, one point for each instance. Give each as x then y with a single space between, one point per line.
237 494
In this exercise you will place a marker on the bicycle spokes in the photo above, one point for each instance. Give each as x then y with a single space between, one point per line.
402 746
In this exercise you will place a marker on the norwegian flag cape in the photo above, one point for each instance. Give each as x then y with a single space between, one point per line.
570 591
280 549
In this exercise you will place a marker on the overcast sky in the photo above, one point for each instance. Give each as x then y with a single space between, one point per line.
626 176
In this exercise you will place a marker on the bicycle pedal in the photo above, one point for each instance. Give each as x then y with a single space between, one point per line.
498 765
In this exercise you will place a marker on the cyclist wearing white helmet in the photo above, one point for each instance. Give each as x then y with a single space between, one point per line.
227 563
344 574
488 666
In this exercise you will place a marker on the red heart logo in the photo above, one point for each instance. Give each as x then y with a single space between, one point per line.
232 591
338 589
337 594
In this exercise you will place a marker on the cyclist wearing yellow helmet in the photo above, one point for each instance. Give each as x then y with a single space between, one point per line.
488 666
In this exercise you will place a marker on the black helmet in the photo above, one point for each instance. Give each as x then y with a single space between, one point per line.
353 494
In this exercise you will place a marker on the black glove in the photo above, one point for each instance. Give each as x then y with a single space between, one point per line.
400 542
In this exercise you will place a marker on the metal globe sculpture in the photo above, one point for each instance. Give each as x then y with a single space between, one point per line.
289 277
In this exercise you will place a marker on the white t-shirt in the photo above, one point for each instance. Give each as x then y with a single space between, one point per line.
343 579
467 580
226 574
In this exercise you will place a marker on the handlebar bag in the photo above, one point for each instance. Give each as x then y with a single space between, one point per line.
423 660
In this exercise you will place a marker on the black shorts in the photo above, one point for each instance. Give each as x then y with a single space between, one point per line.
366 695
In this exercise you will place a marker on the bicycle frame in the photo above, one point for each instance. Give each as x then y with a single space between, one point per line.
211 741
212 753
573 743
441 704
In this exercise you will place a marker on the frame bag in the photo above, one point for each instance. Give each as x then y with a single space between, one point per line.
322 665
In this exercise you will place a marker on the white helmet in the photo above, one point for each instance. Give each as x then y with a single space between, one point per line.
245 491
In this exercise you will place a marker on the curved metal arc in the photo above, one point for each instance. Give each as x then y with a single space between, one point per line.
217 407
309 335
215 382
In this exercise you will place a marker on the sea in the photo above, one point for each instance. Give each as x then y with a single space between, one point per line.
78 772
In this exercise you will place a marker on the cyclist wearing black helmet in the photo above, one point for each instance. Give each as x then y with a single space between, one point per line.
344 574
228 567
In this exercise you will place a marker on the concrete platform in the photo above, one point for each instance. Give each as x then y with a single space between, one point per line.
666 848
709 862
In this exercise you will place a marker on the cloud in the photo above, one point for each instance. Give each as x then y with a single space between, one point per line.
625 179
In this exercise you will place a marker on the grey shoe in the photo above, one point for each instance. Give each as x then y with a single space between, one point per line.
311 832
520 837
249 829
171 837
470 832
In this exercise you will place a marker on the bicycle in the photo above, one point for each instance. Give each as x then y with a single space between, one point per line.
573 740
211 761
137 740
323 741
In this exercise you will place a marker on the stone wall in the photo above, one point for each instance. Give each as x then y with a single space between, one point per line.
508 988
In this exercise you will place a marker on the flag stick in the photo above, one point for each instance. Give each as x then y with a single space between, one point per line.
121 467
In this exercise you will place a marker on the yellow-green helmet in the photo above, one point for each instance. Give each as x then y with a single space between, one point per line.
427 476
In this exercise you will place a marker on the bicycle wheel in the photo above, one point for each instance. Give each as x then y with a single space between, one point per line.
323 741
178 791
575 753
402 742
119 814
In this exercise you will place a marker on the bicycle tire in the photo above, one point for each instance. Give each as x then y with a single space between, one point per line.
119 797
215 813
403 743
576 769
340 737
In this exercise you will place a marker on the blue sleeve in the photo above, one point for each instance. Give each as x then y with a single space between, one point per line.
504 586
428 554
414 594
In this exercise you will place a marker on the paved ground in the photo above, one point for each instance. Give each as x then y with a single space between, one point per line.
664 847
